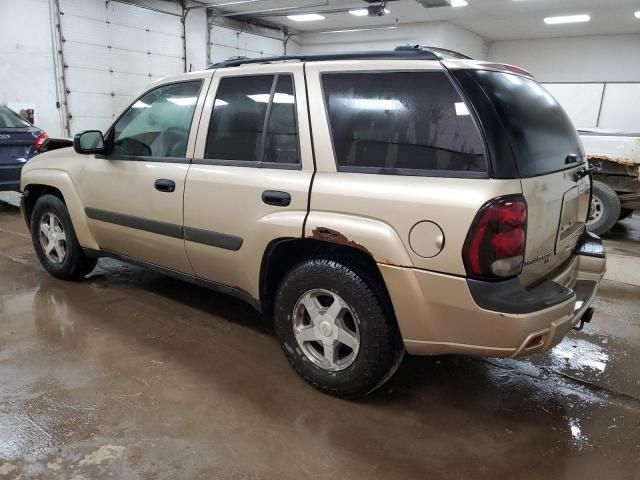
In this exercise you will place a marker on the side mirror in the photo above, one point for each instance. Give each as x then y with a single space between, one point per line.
89 141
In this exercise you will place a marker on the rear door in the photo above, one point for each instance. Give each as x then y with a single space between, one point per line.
249 181
550 162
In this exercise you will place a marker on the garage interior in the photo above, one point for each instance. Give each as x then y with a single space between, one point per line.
131 374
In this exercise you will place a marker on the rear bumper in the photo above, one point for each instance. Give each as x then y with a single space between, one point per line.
440 314
10 177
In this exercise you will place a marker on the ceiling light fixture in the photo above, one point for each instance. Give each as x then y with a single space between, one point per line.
363 12
305 17
637 14
567 19
459 3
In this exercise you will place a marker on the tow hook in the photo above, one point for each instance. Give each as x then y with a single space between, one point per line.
586 318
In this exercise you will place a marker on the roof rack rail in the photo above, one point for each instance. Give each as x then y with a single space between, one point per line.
403 52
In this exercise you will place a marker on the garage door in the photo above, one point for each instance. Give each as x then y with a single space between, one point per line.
228 42
111 52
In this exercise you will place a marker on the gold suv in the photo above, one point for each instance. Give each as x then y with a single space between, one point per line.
375 203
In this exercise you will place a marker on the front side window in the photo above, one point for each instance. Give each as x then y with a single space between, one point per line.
158 123
406 123
253 120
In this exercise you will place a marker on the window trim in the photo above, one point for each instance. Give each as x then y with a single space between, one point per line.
157 159
408 171
259 163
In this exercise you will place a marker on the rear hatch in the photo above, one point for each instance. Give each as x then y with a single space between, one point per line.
550 163
16 145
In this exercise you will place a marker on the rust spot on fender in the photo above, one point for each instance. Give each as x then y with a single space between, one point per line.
333 236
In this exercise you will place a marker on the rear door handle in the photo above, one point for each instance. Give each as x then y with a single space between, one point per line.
165 185
278 199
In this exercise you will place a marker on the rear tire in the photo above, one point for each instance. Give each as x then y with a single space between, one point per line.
363 341
55 241
605 208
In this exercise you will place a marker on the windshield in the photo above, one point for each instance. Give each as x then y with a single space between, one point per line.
10 119
539 130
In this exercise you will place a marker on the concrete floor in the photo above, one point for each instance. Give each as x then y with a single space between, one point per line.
132 375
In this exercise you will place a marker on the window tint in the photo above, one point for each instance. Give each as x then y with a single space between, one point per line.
158 124
235 130
282 134
401 123
539 130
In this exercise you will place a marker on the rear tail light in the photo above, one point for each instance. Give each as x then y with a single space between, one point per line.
39 141
495 244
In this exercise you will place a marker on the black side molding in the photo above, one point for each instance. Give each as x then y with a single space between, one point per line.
206 237
510 296
214 239
139 223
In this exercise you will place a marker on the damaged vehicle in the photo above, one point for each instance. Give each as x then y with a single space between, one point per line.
614 158
373 203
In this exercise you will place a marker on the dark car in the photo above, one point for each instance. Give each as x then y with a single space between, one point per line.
19 141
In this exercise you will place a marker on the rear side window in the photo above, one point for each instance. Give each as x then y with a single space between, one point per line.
404 123
540 132
253 120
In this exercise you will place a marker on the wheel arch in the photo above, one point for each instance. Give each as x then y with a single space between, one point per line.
282 254
57 182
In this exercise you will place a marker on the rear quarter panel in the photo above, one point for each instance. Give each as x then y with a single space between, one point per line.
377 212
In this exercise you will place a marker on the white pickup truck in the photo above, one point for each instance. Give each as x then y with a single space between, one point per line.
615 160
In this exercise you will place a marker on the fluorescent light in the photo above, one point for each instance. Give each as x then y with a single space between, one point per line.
140 104
461 109
567 19
637 14
220 103
459 3
305 17
363 12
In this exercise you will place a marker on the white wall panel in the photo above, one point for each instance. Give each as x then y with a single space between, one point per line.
111 51
621 107
580 101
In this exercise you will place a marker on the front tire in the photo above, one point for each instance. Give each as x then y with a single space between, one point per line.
55 241
604 210
335 328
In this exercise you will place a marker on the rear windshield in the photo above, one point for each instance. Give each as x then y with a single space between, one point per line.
10 119
539 130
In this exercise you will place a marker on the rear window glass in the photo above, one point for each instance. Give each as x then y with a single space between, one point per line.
10 119
539 130
405 123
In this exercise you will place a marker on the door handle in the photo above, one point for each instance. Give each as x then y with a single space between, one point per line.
278 199
164 185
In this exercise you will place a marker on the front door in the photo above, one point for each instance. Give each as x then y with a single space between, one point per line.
133 196
250 178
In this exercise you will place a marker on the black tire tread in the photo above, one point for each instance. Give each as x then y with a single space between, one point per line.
77 265
386 349
611 205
